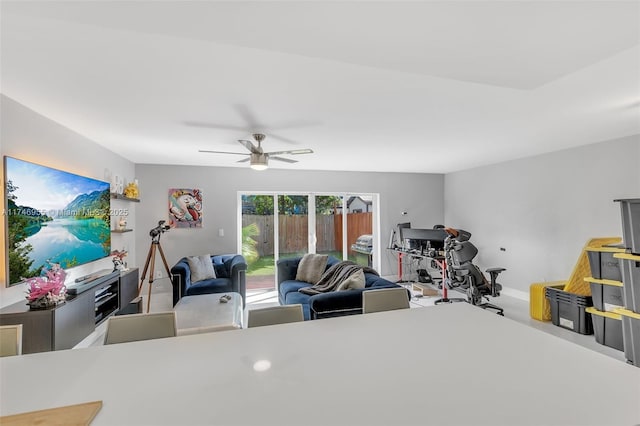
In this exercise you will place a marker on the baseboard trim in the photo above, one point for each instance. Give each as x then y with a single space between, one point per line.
516 294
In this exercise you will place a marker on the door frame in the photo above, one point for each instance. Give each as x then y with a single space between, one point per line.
311 236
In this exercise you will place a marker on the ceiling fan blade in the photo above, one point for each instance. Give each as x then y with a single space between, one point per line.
244 160
286 160
222 152
250 146
295 124
248 116
208 125
291 152
283 139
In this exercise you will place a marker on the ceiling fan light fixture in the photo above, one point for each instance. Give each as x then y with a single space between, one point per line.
257 158
259 161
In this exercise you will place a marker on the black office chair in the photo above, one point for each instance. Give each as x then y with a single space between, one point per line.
466 277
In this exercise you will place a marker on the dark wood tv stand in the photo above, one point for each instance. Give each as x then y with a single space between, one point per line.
66 325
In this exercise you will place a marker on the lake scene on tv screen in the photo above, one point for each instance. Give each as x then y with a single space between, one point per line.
53 216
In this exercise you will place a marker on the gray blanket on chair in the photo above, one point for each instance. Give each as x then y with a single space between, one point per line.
334 276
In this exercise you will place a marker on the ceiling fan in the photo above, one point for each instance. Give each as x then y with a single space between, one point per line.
258 159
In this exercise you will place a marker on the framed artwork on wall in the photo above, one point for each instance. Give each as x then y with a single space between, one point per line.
185 208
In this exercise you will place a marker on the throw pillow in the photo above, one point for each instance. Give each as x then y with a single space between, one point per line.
201 268
311 268
356 280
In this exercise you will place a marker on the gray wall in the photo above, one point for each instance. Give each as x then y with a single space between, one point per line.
543 209
26 135
419 194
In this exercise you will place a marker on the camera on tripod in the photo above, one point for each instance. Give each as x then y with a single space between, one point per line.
155 234
159 229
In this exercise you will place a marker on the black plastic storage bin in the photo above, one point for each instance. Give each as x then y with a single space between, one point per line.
630 280
603 265
568 310
631 335
606 294
607 327
630 209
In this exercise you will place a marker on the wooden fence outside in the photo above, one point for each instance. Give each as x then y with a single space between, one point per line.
294 232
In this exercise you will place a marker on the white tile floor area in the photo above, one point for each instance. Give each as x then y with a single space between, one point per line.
518 310
514 309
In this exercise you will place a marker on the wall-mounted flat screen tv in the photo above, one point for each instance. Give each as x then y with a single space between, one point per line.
53 216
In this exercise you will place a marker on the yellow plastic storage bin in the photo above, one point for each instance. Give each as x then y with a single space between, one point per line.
539 307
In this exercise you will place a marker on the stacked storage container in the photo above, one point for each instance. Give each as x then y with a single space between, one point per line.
606 293
630 268
568 301
565 303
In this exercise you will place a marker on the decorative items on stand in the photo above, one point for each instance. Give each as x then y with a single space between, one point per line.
119 187
131 190
47 291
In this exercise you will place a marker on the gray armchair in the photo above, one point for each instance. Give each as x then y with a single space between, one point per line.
230 277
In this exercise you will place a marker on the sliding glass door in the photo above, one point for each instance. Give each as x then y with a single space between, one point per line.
328 236
360 229
258 240
283 225
293 225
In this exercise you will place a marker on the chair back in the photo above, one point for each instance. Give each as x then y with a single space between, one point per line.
275 315
384 299
463 252
10 340
134 327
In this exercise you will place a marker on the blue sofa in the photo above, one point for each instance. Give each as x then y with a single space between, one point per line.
230 277
325 305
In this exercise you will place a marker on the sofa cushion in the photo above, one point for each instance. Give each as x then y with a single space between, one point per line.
356 280
296 297
201 268
311 267
216 285
383 283
291 286
371 279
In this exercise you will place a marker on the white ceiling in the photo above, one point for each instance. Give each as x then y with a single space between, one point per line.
418 86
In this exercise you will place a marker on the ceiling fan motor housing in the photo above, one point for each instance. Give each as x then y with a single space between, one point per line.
259 161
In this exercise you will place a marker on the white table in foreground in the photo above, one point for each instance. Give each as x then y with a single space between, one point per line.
205 313
444 365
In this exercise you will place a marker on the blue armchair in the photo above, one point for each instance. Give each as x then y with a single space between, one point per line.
230 277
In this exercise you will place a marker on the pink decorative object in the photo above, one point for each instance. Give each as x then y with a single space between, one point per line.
45 292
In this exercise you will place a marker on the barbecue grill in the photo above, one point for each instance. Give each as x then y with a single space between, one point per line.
363 246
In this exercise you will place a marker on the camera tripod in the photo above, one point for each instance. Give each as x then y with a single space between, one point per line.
151 258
